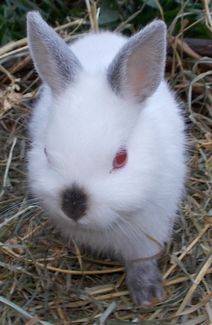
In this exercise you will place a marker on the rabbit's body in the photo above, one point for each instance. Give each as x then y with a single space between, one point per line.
151 187
129 211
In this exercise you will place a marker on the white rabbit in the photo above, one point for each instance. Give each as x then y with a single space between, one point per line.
107 159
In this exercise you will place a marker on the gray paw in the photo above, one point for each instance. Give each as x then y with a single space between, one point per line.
144 282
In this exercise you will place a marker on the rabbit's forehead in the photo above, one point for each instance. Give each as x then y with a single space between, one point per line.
87 127
92 133
90 116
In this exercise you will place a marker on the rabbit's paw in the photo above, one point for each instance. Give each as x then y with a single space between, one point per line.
144 282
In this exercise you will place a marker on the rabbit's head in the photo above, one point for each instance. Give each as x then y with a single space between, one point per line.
86 163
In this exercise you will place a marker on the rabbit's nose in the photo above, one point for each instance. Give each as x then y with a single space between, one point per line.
74 202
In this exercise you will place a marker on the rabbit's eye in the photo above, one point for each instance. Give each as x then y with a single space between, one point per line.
45 151
46 154
120 159
49 158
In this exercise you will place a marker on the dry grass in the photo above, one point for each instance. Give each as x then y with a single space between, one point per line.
42 281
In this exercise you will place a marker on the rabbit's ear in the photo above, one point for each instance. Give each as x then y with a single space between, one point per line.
138 68
54 61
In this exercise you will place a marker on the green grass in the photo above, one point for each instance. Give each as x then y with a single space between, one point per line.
112 13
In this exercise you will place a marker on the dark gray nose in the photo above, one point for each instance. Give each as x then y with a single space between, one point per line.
74 202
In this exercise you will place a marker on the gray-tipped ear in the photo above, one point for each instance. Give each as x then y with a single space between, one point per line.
54 61
138 68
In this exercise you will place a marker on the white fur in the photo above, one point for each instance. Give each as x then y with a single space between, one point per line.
131 210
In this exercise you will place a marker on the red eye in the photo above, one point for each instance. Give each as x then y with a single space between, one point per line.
120 159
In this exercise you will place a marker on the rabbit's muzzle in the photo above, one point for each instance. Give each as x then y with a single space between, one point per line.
74 202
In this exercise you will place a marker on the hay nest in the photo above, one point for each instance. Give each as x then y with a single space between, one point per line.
42 281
